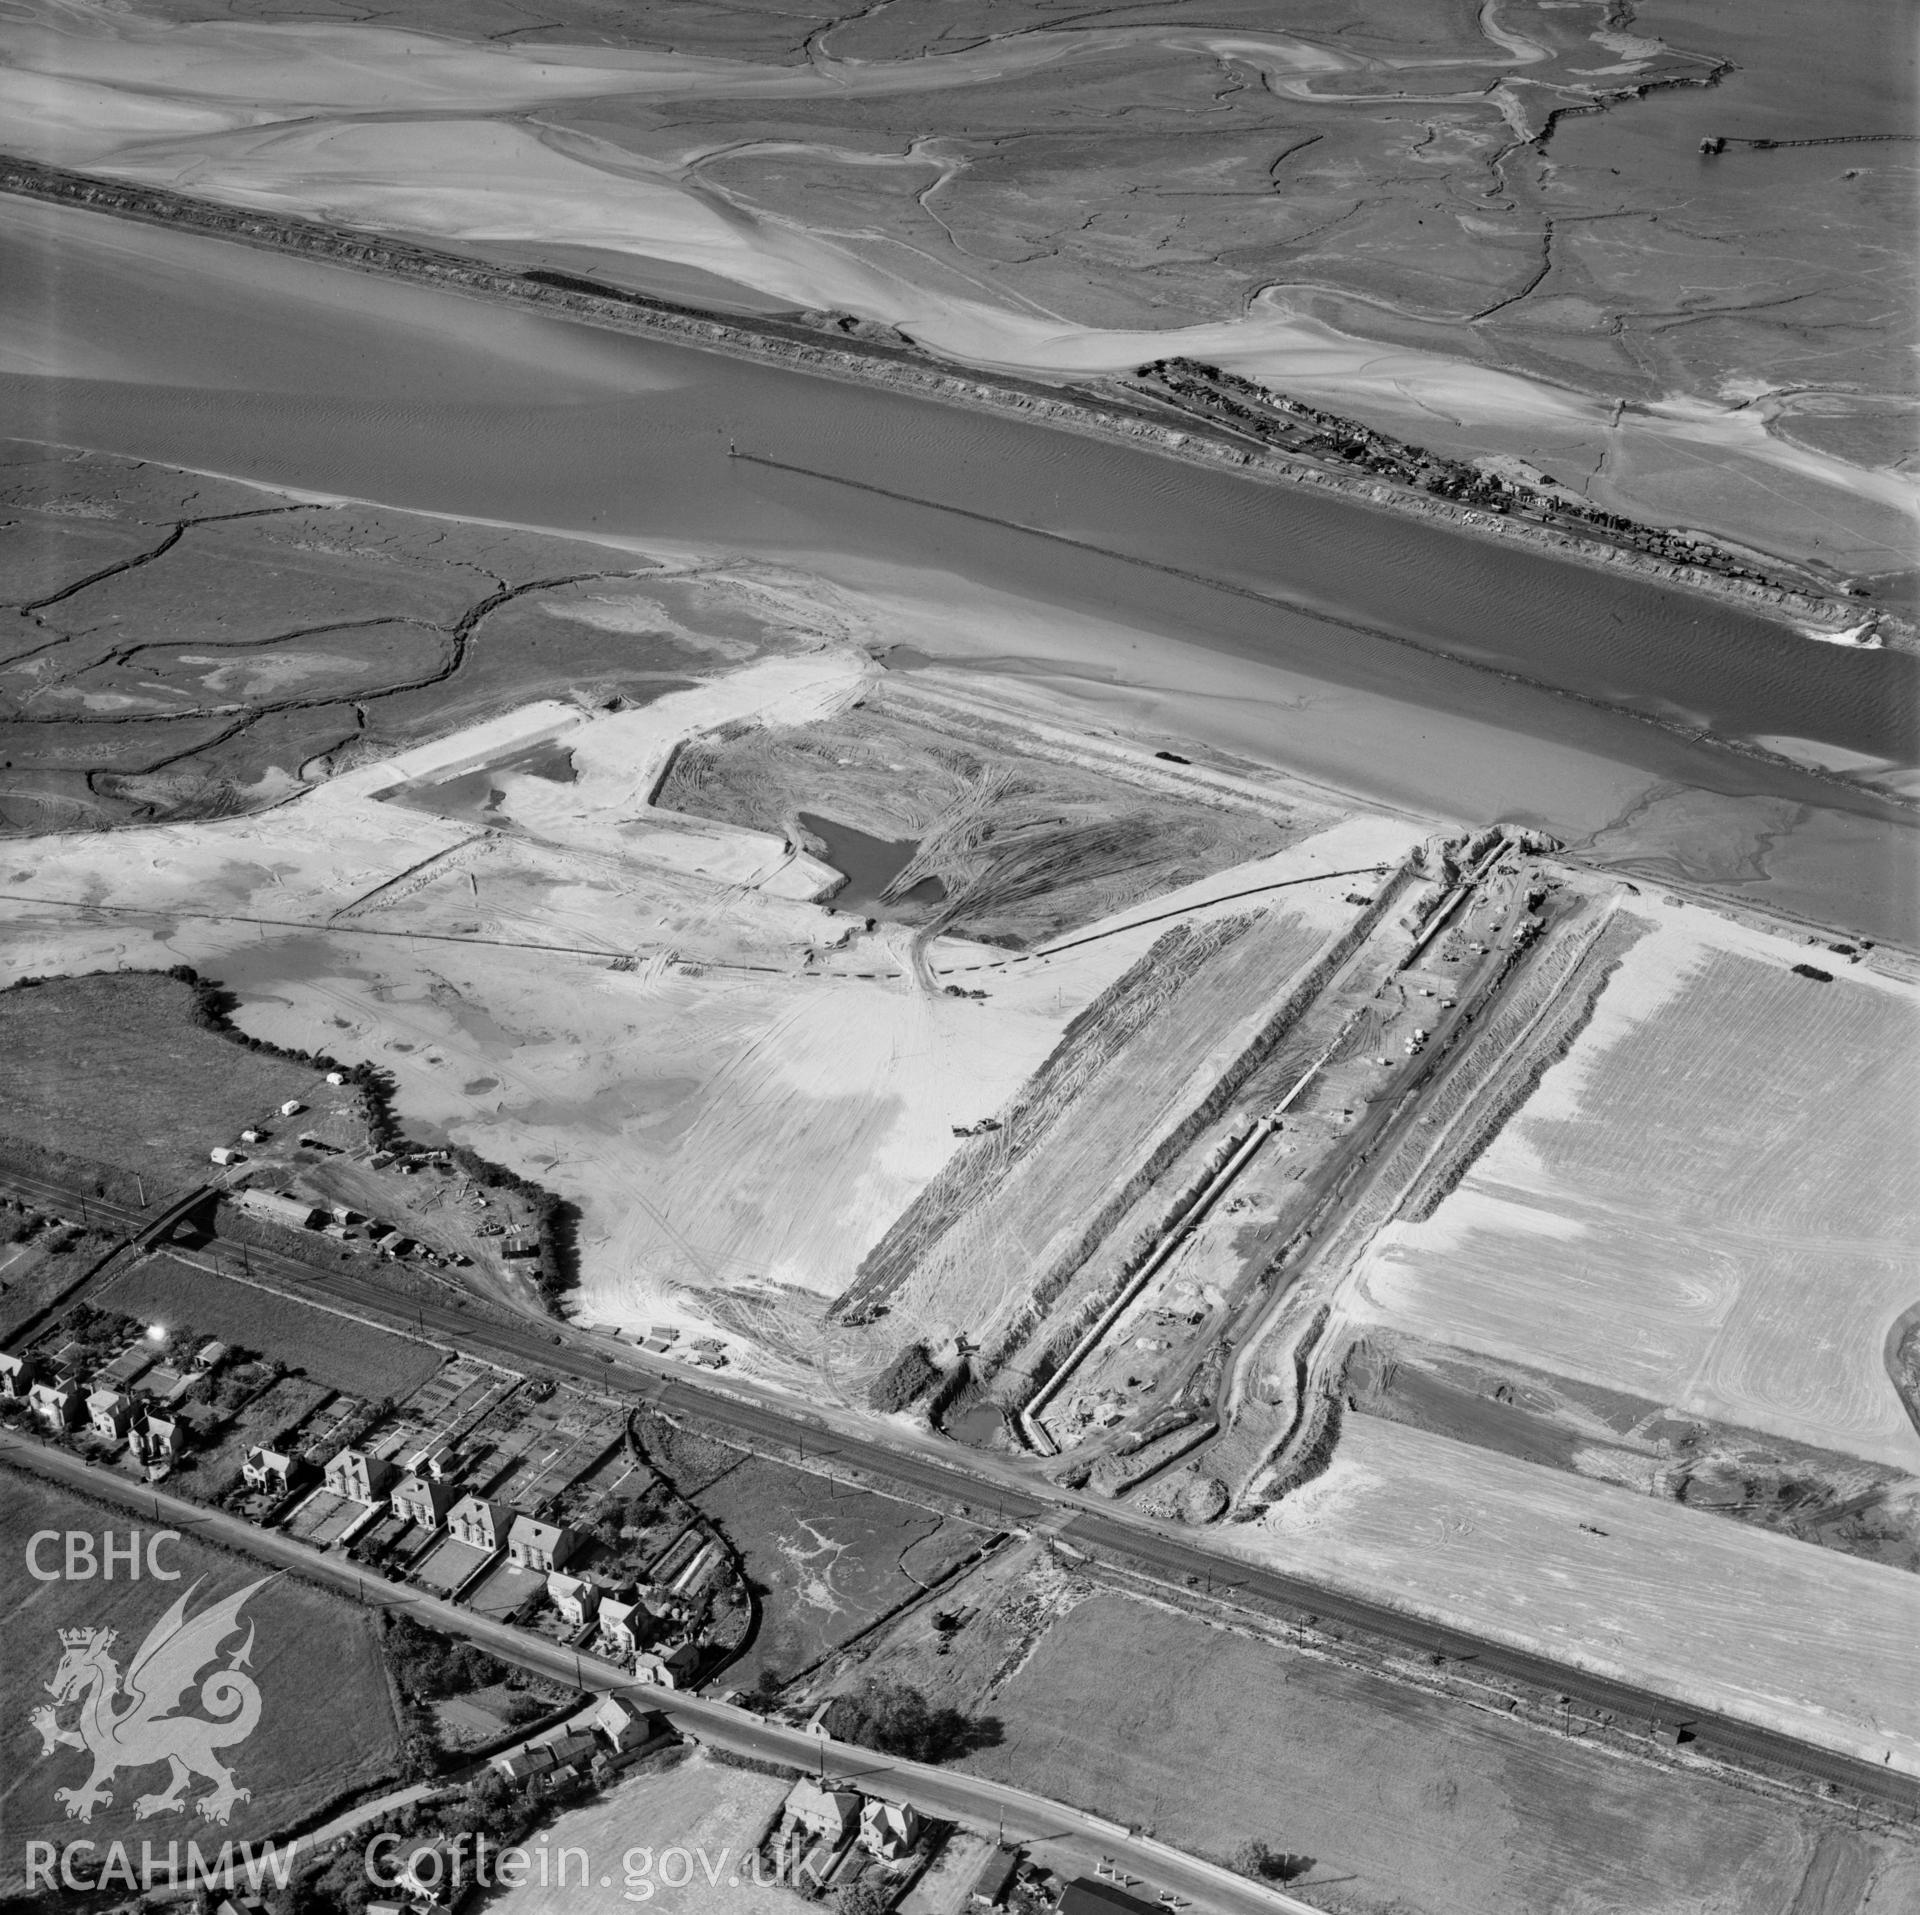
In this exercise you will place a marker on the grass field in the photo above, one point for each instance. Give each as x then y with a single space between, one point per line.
828 1558
714 1813
1814 1643
1212 1738
334 1350
326 1724
113 1069
1711 1201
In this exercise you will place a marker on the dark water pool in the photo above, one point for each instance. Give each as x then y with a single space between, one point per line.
871 864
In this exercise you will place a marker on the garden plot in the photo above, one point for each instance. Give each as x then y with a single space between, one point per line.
1711 1201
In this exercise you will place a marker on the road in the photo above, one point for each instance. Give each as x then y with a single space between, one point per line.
1021 1815
1011 1492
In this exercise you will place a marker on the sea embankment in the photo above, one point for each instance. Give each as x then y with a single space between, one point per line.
842 347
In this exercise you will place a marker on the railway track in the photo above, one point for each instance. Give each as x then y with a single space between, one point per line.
1002 1489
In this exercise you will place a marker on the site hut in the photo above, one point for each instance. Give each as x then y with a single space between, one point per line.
888 1830
630 1730
109 1411
359 1477
422 1499
996 1875
292 1107
827 1815
336 1078
277 1471
574 1598
18 1375
224 1154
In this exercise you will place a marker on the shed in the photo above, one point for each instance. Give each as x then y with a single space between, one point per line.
990 1886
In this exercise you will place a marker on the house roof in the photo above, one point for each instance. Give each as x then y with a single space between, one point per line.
1086 1897
995 1873
529 1529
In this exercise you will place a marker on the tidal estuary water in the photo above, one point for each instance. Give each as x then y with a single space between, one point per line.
1362 646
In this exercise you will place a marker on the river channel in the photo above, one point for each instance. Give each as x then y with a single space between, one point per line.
1438 671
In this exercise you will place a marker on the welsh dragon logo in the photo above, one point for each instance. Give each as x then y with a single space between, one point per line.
136 1721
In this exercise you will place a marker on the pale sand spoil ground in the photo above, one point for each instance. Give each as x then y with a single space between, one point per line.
741 1115
1819 1645
1709 1201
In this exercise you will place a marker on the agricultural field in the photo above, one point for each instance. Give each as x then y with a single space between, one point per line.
1811 1642
332 1350
1708 1202
326 1729
114 1070
1397 1800
715 1813
827 1558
